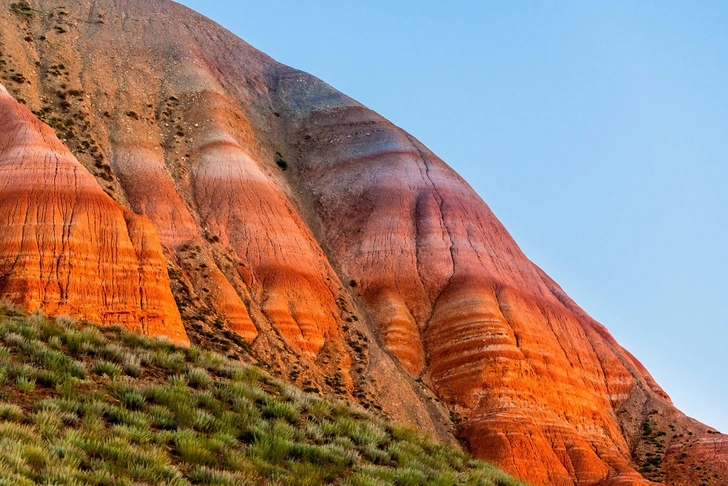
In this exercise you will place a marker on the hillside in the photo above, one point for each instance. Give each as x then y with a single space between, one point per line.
88 405
199 190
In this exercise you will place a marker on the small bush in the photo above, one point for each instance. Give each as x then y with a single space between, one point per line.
275 408
132 365
78 343
10 411
54 342
161 417
15 340
280 162
173 362
204 421
270 449
62 322
22 9
112 352
107 368
25 384
198 378
191 449
132 398
409 477
49 379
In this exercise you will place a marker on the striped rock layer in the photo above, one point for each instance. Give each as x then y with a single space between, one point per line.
66 247
345 254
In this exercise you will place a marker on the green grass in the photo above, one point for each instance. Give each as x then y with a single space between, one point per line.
86 405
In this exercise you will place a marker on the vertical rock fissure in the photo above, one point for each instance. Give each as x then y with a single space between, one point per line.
443 220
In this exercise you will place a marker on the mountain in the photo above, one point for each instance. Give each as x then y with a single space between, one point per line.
295 227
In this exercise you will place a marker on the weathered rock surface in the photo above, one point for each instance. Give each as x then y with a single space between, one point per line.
67 248
347 255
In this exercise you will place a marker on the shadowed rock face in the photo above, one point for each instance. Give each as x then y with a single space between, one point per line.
68 248
351 258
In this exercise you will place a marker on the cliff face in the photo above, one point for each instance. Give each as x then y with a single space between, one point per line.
346 254
68 248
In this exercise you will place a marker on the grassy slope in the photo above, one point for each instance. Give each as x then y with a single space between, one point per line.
86 405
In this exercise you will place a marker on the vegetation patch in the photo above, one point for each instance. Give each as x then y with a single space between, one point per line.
282 164
22 9
81 404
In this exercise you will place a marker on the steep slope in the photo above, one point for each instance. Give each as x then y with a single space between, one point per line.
68 248
350 257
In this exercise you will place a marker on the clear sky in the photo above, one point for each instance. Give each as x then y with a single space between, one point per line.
596 131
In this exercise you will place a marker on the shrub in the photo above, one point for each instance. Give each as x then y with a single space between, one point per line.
161 417
7 308
121 415
48 423
275 408
10 411
207 475
204 421
107 368
22 9
198 378
173 362
270 448
49 379
132 398
25 384
132 365
54 342
15 340
409 477
78 343
191 449
112 352
62 322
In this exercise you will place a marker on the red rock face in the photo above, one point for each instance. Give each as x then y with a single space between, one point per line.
350 257
538 385
245 207
67 248
459 304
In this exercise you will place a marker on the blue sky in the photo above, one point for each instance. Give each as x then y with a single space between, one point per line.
596 131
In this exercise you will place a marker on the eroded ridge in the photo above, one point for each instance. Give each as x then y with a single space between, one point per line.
66 247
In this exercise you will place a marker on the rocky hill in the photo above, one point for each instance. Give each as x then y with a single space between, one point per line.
293 226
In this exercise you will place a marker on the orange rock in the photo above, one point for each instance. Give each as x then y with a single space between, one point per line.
247 209
537 384
68 248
